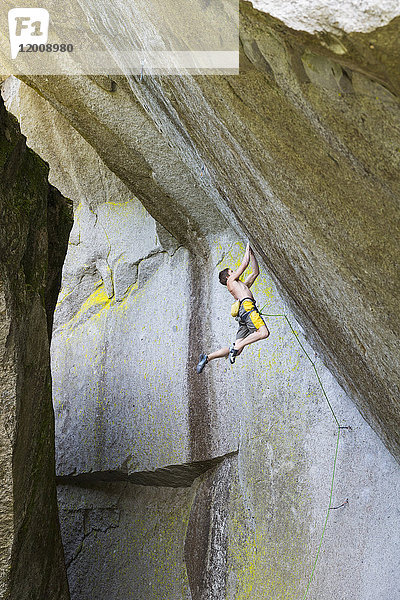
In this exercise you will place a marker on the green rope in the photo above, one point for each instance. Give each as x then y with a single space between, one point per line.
316 372
326 518
336 451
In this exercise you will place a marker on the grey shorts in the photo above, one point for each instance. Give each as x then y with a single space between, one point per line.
249 319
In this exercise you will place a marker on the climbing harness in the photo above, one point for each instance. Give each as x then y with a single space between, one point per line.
238 303
339 427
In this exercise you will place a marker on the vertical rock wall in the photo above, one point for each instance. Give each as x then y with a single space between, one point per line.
300 151
179 486
34 226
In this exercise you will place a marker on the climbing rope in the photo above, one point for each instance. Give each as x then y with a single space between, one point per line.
339 427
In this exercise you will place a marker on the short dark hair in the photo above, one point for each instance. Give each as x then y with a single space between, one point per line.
223 276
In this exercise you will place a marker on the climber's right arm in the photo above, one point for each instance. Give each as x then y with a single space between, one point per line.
243 266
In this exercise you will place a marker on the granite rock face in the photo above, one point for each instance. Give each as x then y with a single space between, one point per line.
315 182
34 227
223 485
180 486
326 15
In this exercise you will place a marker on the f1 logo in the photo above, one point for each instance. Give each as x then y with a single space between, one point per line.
27 26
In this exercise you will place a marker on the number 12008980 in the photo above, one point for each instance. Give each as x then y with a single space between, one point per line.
46 48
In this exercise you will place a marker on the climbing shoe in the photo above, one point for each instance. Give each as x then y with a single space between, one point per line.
202 362
233 354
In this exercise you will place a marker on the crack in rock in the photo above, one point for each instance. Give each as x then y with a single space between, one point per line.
181 475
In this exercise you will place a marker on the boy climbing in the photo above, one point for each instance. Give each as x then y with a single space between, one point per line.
252 327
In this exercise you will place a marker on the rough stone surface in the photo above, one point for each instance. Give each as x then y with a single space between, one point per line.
289 154
124 541
251 528
130 409
31 211
323 15
315 182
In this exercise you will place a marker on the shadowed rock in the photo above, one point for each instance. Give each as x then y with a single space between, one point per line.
34 225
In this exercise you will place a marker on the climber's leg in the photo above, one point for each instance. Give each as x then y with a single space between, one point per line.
204 358
221 353
243 338
261 334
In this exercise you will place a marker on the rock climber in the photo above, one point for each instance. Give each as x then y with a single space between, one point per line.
252 327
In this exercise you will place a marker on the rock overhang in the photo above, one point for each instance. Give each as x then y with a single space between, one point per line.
290 153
